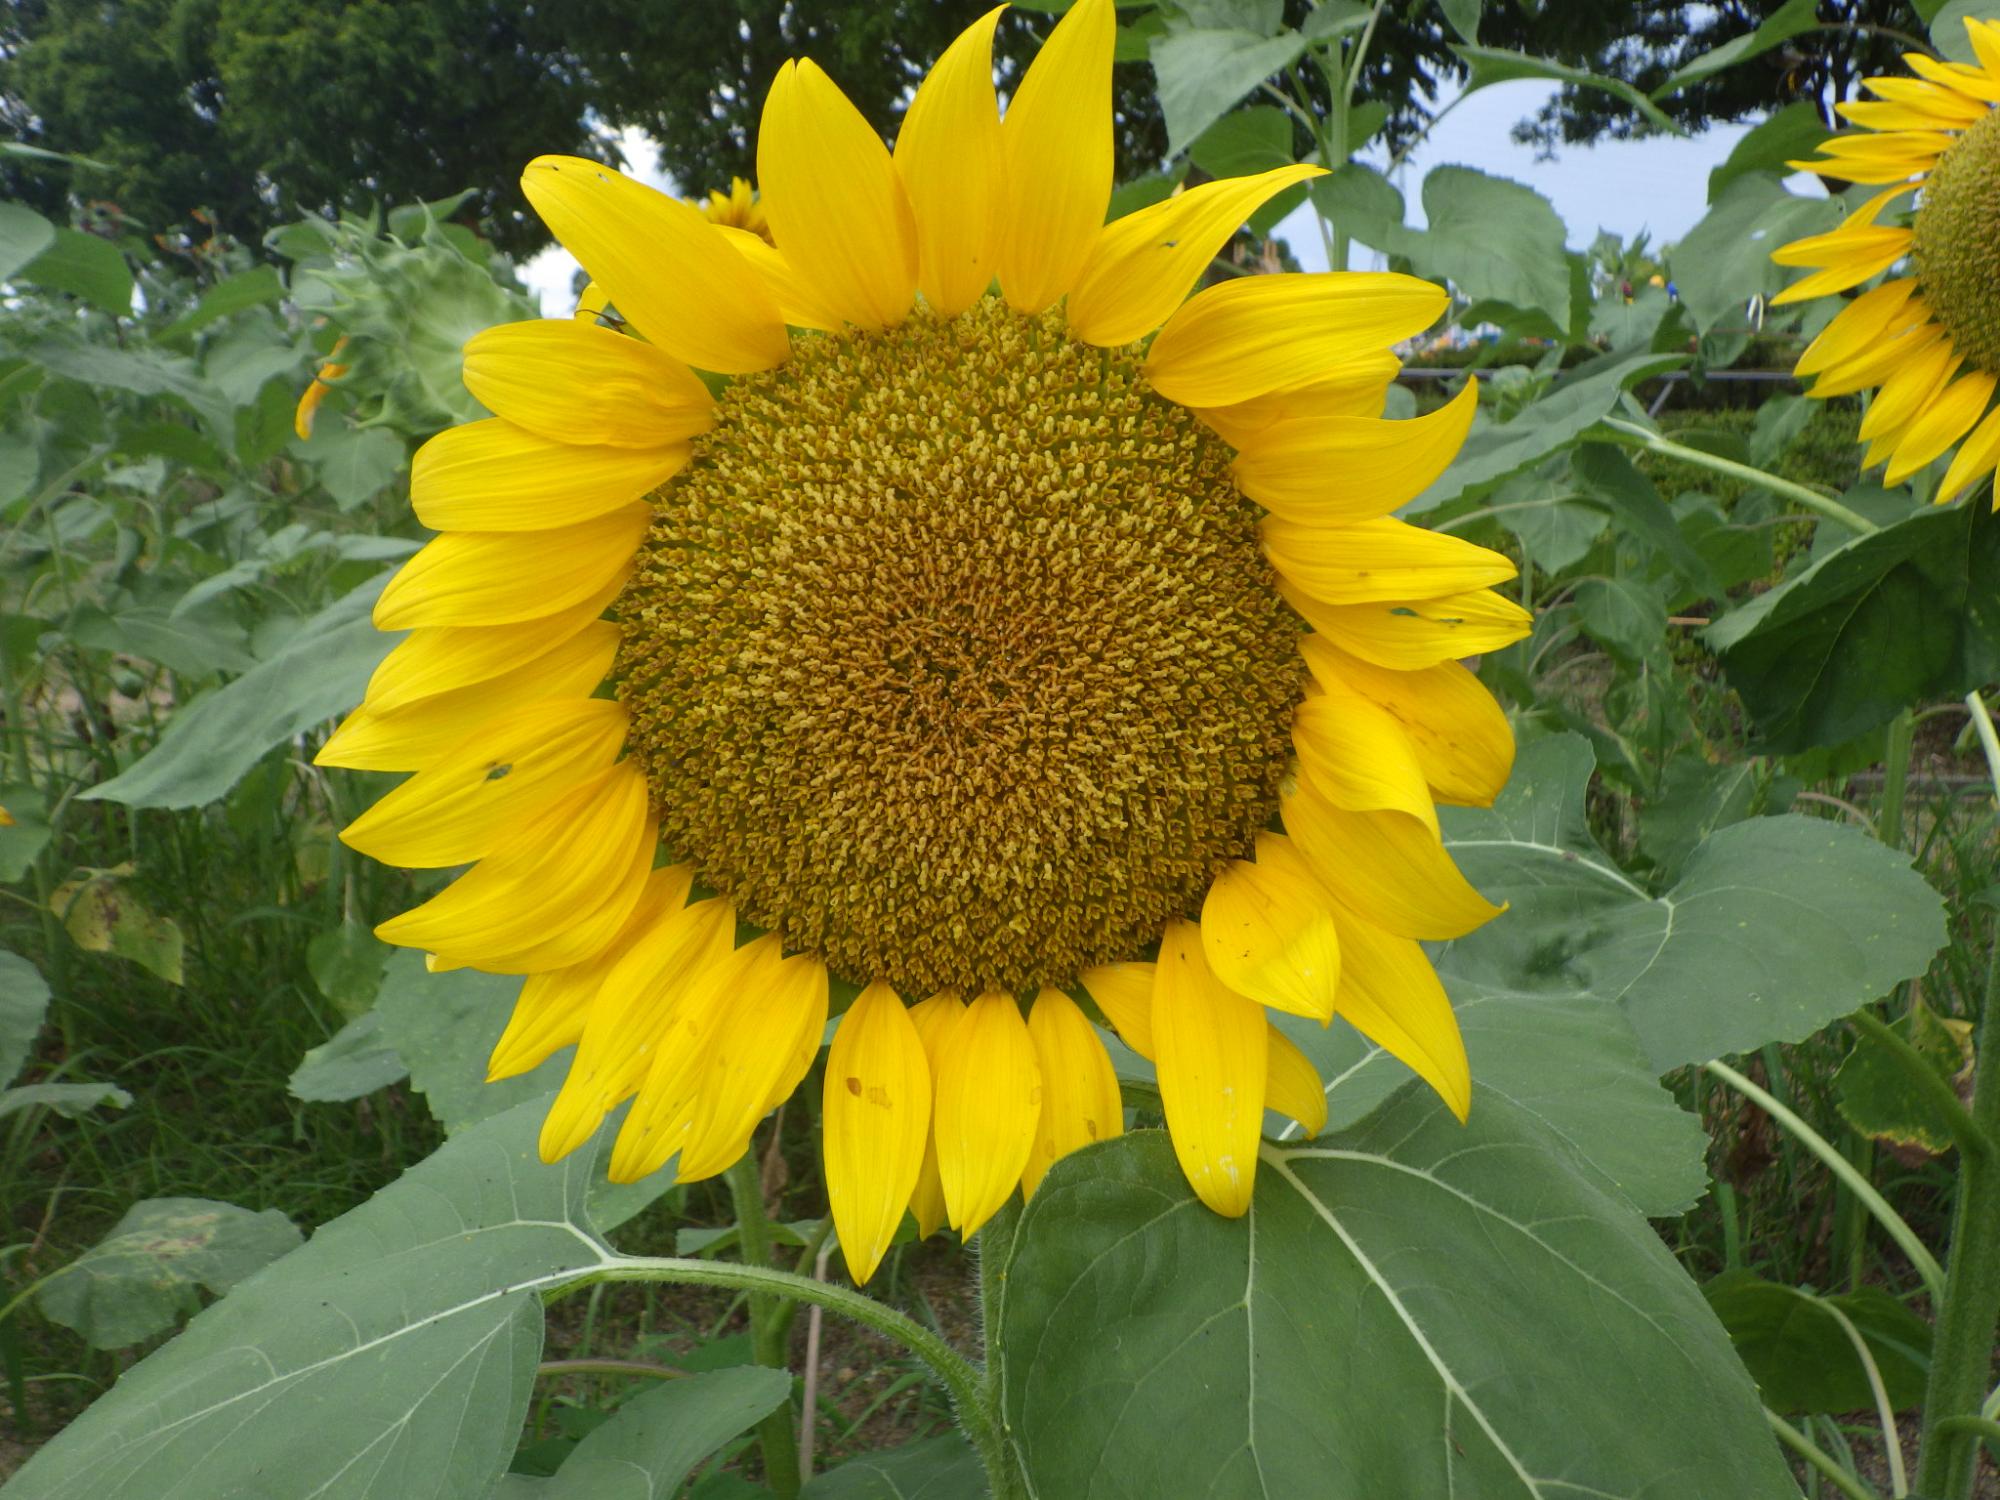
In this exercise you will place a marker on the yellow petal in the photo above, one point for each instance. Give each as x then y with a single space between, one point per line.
1855 327
1944 420
568 870
1358 387
553 1007
1390 994
1268 933
591 303
1213 1059
1985 37
1124 992
1881 359
1461 736
457 810
1080 1102
1356 755
989 1098
500 577
949 156
1142 265
1839 276
649 978
797 300
751 1060
1409 633
441 658
1367 561
420 733
1243 338
1057 144
671 276
835 204
1974 460
876 1119
1321 472
1909 390
1293 1087
934 1020
577 383
1387 866
1974 83
494 476
1944 106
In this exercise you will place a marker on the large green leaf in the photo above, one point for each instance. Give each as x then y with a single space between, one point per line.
1801 1352
1410 1307
443 1026
352 1062
1776 926
214 741
1877 1095
1491 65
647 1448
1784 23
257 287
1890 619
86 266
1203 72
1725 260
391 1357
24 1000
24 234
1788 135
941 1468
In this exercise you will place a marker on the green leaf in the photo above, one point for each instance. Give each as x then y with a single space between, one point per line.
29 833
1694 799
1494 450
346 964
143 372
354 464
1947 25
257 287
1410 1307
140 1279
392 1355
193 643
941 1468
1464 17
85 266
101 915
70 1100
1788 135
1491 65
1627 614
1784 23
1776 926
1895 617
24 234
648 1446
1245 142
353 1062
1801 1355
1203 73
1725 260
24 1001
212 742
1876 1094
1606 475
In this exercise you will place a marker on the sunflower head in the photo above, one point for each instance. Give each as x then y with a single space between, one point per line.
938 598
1928 338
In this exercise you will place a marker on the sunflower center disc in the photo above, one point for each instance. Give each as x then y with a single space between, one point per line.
1958 243
952 656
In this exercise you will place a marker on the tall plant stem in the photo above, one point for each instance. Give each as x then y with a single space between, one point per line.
1812 500
768 1326
996 1253
1962 1346
1895 778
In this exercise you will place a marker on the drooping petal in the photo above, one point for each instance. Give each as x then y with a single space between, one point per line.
836 206
1404 634
877 1121
1909 390
1268 933
1141 266
671 276
1124 992
1943 421
934 1020
574 382
494 476
1855 327
553 1007
950 157
989 1099
1355 754
1390 994
749 1062
1895 351
1293 1087
1213 1057
1974 460
420 733
1327 472
442 658
1057 145
457 810
1080 1102
500 577
1387 866
1240 339
1367 561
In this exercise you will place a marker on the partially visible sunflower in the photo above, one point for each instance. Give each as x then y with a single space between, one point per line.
1927 340
739 208
959 651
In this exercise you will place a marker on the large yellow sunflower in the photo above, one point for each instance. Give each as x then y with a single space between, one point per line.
957 649
1929 341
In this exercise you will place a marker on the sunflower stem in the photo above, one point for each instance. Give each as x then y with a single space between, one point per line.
1812 500
996 1251
1895 778
768 1326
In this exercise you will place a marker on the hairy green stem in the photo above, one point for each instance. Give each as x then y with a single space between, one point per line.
1895 778
996 1252
1972 1140
1926 1265
1818 1457
1812 500
768 1327
1962 1346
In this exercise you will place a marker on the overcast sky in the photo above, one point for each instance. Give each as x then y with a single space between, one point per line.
1659 185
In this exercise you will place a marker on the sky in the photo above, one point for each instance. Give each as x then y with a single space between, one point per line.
1659 185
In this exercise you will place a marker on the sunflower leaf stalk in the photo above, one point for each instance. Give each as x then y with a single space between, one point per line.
768 1327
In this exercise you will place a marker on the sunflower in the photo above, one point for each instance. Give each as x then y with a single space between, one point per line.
959 660
738 208
1928 341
